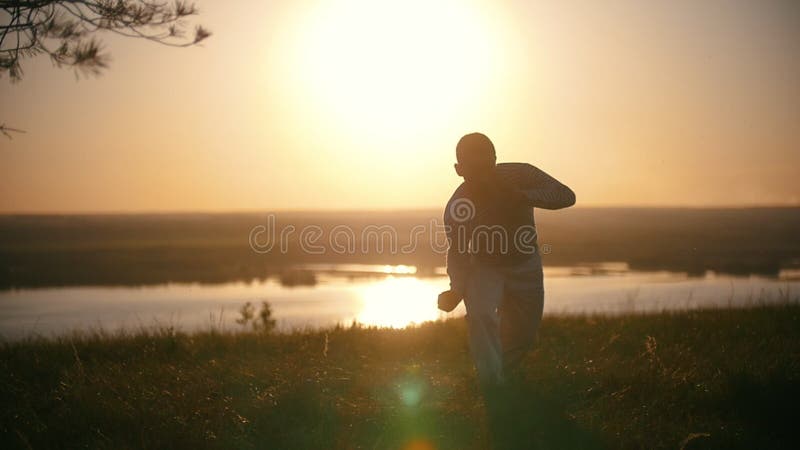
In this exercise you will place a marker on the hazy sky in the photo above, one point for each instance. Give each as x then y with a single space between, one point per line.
359 105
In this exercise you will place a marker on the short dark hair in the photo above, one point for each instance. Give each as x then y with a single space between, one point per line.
473 144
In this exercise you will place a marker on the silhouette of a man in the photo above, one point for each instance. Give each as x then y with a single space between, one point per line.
493 258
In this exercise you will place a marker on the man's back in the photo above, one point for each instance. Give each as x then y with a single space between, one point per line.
504 302
502 287
494 221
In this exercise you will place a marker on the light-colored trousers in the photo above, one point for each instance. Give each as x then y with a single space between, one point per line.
504 310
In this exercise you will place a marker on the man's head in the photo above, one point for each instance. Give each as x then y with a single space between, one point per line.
476 157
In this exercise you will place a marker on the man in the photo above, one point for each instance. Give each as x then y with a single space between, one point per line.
493 259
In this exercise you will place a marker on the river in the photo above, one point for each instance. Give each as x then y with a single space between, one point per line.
386 296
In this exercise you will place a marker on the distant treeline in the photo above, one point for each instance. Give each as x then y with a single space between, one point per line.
133 249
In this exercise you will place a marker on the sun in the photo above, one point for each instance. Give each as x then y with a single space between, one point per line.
381 66
397 302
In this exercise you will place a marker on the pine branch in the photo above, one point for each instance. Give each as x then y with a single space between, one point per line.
68 26
8 130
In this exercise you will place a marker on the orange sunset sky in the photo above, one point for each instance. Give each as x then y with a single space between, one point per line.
359 105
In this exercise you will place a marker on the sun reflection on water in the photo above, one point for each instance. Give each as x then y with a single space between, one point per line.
398 302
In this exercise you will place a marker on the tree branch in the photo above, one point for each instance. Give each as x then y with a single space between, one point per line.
8 130
72 22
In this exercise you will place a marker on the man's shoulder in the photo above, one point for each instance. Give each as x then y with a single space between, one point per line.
458 194
512 167
514 173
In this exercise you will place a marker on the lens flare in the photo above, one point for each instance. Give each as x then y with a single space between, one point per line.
419 444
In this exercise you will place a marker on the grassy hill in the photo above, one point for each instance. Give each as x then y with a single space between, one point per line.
700 379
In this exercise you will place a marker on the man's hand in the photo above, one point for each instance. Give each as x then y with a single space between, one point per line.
448 300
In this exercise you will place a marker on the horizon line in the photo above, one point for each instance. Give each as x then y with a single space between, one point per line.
369 210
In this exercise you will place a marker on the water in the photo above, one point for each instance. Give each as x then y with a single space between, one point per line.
387 296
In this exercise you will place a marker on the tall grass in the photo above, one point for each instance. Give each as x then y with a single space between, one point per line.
695 379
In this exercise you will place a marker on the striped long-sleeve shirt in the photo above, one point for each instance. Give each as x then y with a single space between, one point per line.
538 189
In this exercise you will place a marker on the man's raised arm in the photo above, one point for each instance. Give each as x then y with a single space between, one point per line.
544 191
